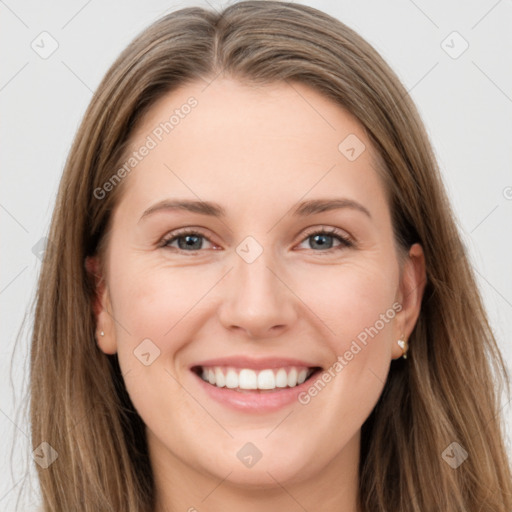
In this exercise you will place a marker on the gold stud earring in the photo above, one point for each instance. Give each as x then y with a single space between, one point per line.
403 345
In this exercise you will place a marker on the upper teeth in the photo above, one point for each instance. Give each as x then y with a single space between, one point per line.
245 378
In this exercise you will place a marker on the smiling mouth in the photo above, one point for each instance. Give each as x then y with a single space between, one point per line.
247 380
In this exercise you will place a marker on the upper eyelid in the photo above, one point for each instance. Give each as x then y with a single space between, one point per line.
327 230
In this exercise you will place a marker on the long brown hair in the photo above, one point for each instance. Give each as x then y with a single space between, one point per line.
448 390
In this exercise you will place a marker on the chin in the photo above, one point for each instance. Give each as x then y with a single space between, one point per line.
271 469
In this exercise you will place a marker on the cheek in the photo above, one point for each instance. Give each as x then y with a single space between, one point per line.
352 301
360 317
367 317
155 315
151 303
151 310
358 309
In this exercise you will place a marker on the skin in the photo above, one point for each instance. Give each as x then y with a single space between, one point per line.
256 151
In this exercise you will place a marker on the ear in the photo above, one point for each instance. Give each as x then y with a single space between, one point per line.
411 288
102 307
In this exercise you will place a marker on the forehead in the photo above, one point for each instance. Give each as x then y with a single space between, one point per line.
255 145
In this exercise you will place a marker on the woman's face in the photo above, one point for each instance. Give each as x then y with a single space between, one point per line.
253 293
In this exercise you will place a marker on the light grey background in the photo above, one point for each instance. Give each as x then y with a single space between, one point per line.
465 102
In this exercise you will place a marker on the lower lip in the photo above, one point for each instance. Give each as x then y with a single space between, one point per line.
250 401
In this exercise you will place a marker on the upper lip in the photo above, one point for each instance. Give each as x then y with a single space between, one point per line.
255 363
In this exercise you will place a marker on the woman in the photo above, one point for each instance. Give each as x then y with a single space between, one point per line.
258 297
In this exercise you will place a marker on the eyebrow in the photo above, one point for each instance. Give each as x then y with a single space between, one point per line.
212 209
323 205
201 207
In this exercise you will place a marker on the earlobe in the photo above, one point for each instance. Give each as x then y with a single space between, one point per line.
105 332
106 342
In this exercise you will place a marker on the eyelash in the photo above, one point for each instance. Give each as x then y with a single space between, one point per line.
345 242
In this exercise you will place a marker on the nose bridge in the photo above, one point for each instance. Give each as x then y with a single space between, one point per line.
257 300
255 281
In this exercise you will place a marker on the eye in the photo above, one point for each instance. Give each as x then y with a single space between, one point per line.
187 240
321 240
324 239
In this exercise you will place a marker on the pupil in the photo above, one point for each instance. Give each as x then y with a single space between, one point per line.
191 242
320 241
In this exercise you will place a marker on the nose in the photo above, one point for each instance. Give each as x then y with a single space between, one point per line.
257 299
